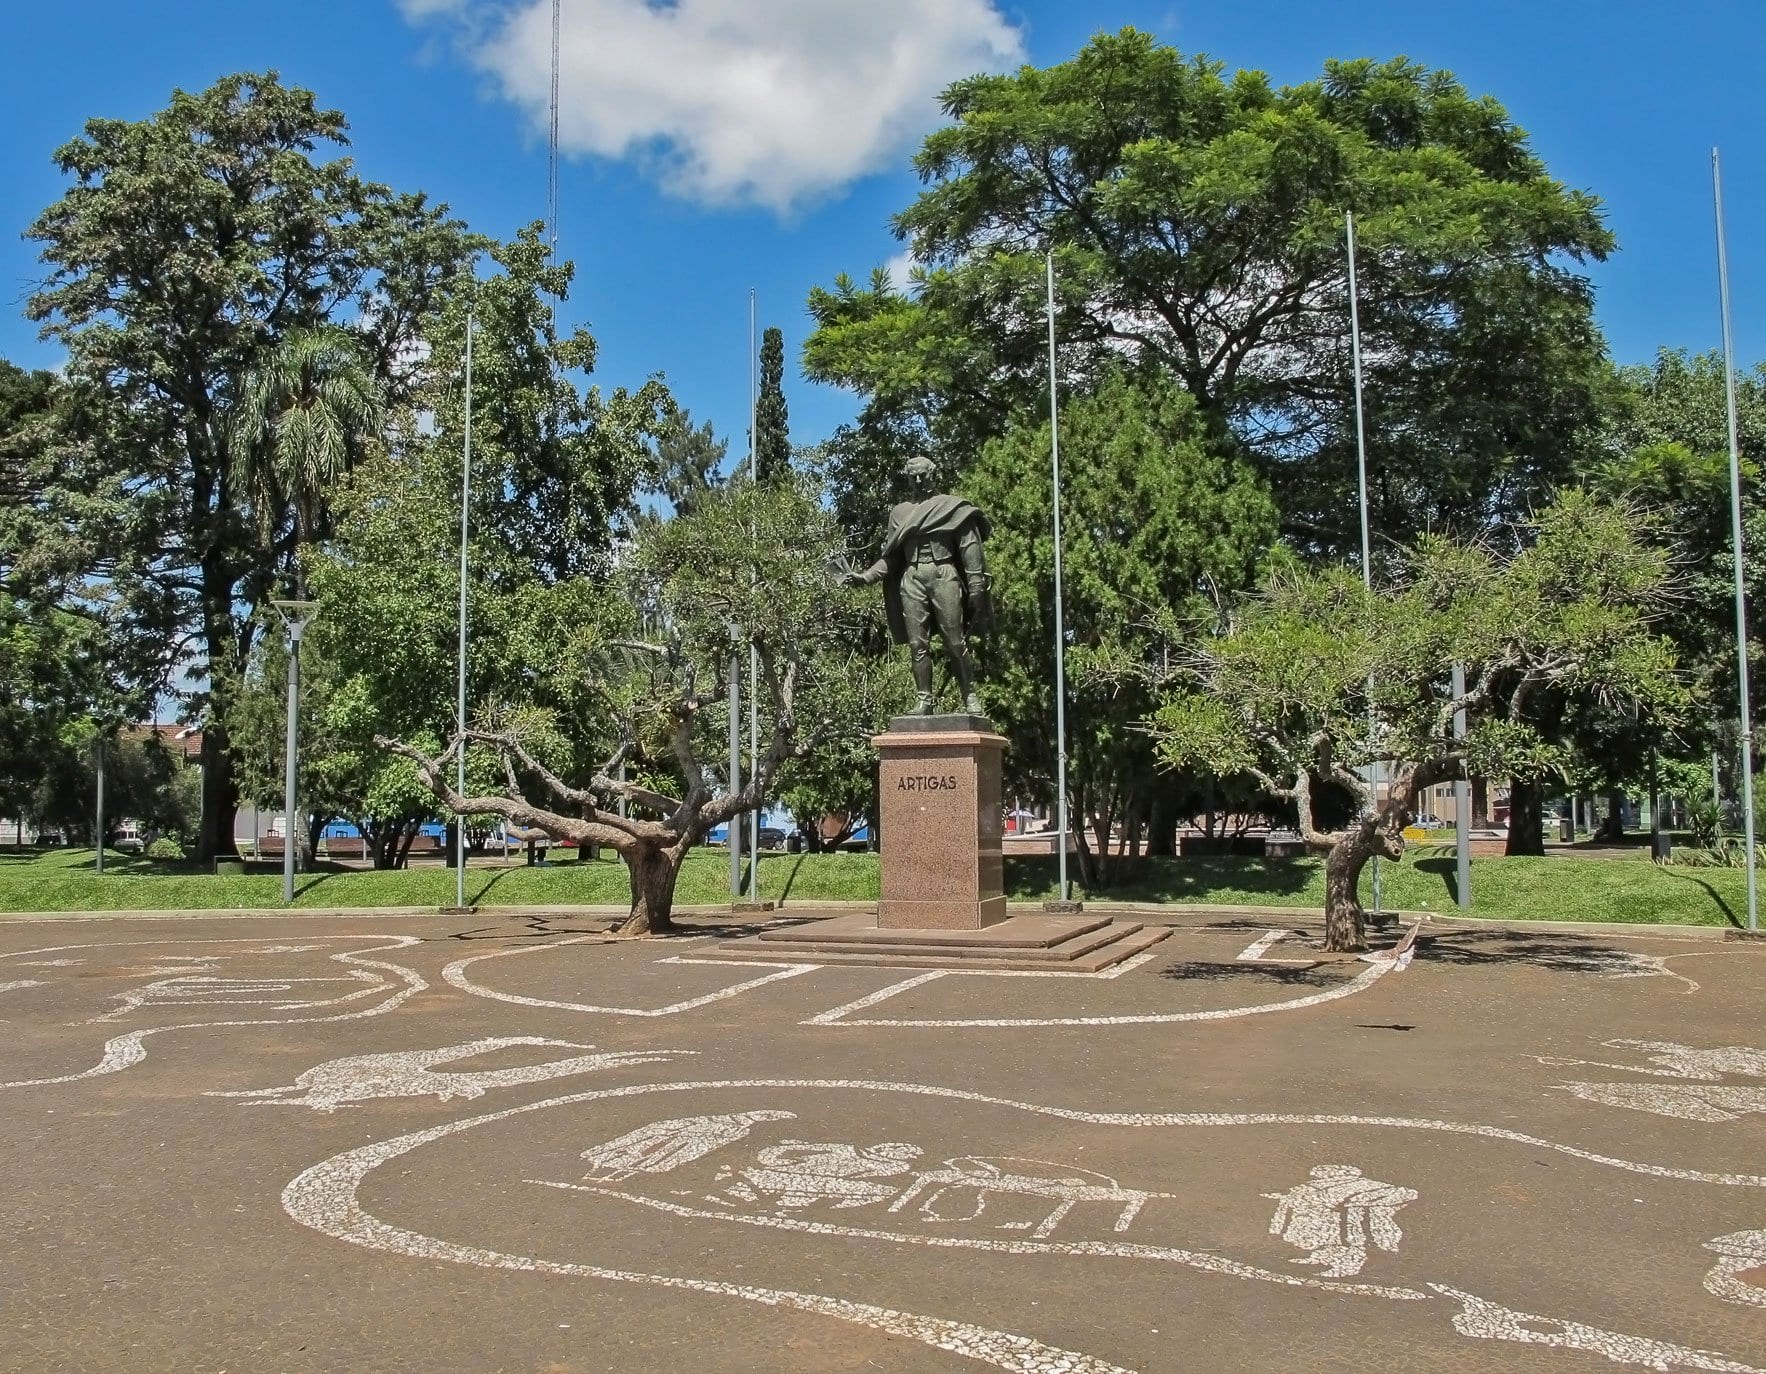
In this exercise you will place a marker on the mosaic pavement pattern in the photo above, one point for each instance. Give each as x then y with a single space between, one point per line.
452 1143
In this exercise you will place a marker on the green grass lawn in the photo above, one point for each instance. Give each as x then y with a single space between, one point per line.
1561 887
64 880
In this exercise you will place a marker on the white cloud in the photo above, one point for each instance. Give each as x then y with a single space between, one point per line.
899 268
729 102
430 9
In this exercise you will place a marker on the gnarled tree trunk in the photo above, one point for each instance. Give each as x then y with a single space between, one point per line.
1381 835
653 869
1345 920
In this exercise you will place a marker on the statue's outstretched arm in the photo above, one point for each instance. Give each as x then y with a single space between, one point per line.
870 576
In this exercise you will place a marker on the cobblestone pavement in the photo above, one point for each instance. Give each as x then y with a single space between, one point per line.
446 1143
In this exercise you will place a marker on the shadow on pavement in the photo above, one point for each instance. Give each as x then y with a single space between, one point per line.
1313 976
1560 953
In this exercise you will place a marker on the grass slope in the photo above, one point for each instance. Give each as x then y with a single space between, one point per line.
1566 888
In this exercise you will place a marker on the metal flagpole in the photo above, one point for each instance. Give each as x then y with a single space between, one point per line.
1060 623
1741 596
753 653
460 700
1367 566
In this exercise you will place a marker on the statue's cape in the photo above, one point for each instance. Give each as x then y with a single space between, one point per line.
947 515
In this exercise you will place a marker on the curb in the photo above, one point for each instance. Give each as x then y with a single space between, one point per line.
1160 913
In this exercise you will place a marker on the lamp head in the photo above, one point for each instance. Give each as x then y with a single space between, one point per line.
296 615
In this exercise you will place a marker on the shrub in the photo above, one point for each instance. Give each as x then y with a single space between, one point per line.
1705 819
166 848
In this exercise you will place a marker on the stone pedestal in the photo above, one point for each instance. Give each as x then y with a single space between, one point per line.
941 824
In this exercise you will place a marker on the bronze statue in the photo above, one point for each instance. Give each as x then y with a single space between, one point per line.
934 577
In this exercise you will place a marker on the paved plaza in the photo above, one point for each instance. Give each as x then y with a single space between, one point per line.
495 1143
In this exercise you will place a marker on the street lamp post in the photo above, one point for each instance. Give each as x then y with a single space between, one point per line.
733 827
1367 566
99 801
296 616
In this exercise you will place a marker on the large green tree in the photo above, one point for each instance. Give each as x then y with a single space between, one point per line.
1668 454
1304 684
772 428
1155 515
305 416
187 250
63 670
688 461
1196 219
556 465
1665 451
749 566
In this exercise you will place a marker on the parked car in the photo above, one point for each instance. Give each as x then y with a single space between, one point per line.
1429 821
128 839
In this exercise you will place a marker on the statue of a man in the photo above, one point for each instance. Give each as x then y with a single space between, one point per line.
934 577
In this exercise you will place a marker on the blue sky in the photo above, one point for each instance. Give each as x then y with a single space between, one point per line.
719 146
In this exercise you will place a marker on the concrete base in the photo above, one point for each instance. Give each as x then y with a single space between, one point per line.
941 827
1068 944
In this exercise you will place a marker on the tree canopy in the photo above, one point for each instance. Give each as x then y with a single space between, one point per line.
1308 681
1155 516
1197 225
188 251
772 429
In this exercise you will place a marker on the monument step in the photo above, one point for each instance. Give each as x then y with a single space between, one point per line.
1027 932
1090 954
1059 953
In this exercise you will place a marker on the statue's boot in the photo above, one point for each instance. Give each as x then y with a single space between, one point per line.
964 668
921 661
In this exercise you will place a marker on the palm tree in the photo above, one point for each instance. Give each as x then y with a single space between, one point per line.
302 420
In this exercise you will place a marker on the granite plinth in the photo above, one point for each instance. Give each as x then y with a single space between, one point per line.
943 868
